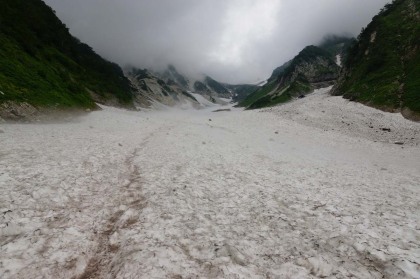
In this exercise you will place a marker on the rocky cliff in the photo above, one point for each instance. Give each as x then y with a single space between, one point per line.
151 90
172 76
209 88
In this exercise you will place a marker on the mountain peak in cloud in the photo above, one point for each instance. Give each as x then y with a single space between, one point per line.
233 41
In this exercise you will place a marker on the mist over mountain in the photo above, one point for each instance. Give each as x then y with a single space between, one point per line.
209 139
214 58
236 41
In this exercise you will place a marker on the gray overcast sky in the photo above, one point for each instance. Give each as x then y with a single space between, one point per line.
231 40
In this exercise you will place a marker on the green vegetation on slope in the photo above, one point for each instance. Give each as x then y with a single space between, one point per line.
43 65
258 94
383 67
294 78
297 87
279 71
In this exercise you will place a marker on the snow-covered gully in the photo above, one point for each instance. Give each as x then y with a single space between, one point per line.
311 189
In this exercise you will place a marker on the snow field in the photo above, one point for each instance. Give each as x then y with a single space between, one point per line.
287 192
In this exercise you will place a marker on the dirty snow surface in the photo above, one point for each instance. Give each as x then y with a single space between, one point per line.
287 192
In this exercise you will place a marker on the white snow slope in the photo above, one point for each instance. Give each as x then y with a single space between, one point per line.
288 192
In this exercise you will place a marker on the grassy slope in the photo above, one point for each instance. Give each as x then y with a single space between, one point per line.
26 79
42 64
293 87
259 93
297 87
385 73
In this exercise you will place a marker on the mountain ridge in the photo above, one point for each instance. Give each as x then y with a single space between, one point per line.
44 67
206 86
151 89
383 67
312 68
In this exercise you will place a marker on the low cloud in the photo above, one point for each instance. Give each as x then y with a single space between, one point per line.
232 40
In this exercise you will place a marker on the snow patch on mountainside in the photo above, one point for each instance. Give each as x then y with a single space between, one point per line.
203 101
338 60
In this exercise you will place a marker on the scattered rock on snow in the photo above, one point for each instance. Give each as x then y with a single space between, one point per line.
10 110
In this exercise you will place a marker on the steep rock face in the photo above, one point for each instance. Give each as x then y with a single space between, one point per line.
212 88
316 67
43 65
218 88
209 88
383 67
279 70
172 76
151 90
312 68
